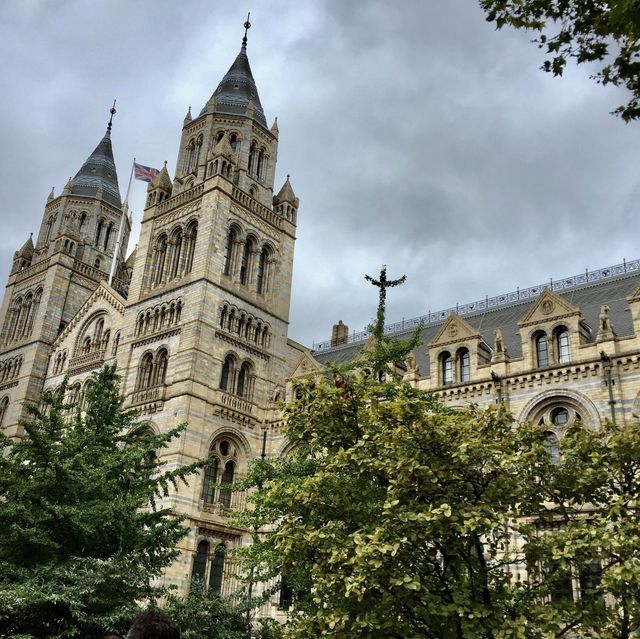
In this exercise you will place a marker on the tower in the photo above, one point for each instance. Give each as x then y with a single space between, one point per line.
52 278
205 325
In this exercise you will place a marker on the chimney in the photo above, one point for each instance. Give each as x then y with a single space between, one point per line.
339 334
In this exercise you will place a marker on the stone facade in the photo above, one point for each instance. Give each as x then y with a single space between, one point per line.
196 319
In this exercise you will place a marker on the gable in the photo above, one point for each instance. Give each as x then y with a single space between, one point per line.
454 330
103 298
306 365
547 307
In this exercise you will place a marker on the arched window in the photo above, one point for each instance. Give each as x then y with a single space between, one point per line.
552 446
228 256
223 317
245 265
233 141
542 349
3 409
210 480
99 232
562 345
262 270
160 368
107 236
446 366
200 563
226 377
160 259
244 380
227 478
252 159
145 372
176 241
192 236
82 221
464 365
217 570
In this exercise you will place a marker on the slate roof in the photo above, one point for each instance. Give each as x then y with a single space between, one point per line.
99 170
587 298
236 89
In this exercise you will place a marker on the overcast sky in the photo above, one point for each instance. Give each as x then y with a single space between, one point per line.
415 134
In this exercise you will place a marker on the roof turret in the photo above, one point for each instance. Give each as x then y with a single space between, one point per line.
286 194
27 249
238 88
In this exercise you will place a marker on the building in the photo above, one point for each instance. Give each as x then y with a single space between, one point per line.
196 318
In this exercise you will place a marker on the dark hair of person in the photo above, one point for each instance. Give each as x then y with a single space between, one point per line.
153 624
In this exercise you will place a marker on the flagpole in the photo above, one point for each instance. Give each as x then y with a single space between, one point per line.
125 210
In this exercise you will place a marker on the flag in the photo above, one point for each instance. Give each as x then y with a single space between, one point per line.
144 173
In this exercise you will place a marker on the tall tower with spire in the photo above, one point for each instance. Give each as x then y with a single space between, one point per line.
205 337
52 277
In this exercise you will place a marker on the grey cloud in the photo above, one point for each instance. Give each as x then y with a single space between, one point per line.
416 136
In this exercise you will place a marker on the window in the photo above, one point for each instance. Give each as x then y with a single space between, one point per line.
228 256
247 256
542 350
217 570
160 257
227 478
464 365
107 236
221 470
228 371
562 345
552 446
261 283
160 367
145 372
200 563
99 232
192 236
176 253
590 577
446 362
3 409
243 380
210 480
561 585
560 416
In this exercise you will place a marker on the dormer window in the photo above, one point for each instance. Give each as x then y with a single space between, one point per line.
562 345
446 366
542 349
464 365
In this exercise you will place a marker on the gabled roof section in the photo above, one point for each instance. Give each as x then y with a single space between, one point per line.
97 177
104 291
548 306
305 366
455 329
237 89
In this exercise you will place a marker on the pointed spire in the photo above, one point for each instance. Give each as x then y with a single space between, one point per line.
26 249
97 177
187 118
237 88
274 128
51 195
67 187
163 180
286 194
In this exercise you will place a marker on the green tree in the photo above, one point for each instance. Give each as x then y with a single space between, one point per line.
590 530
585 31
82 539
203 615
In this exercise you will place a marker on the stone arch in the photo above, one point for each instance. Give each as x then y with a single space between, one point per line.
546 400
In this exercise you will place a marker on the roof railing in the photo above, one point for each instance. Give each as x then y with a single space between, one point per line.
489 303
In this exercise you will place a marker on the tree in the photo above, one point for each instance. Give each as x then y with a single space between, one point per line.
82 537
583 30
394 516
204 615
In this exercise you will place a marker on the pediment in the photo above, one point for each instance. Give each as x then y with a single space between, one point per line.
103 296
548 306
454 330
306 365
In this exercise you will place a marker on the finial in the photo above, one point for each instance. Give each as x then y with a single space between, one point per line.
247 26
112 110
288 176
